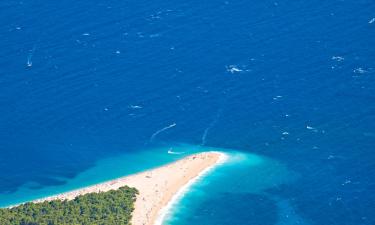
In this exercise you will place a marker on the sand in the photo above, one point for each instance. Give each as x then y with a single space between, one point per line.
157 187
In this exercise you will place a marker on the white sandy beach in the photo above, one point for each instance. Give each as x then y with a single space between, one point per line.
157 187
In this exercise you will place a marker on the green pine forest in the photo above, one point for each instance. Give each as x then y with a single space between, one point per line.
105 208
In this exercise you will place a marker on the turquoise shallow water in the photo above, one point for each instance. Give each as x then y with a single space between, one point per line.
85 83
244 177
241 176
104 170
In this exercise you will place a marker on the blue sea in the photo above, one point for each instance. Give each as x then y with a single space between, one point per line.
94 90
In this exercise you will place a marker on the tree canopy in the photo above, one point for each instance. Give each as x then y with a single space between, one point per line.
104 208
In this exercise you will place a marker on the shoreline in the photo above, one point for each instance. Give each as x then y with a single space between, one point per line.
163 212
159 188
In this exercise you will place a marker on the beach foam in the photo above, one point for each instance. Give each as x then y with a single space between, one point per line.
158 188
163 213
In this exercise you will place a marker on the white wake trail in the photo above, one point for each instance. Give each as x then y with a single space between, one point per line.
161 130
211 125
29 62
205 135
170 151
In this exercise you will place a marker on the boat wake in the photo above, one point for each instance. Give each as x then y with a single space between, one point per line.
161 130
29 62
212 124
170 151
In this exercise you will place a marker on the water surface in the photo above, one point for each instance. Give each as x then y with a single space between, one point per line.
292 82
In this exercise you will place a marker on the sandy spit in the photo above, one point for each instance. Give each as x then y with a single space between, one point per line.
157 187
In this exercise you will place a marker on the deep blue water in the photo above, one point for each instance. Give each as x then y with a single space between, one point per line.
292 82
